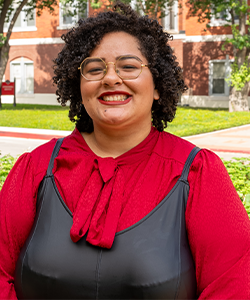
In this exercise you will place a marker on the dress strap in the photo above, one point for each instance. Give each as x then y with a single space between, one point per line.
185 171
53 156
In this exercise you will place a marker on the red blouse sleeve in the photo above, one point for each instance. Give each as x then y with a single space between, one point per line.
16 218
218 229
17 211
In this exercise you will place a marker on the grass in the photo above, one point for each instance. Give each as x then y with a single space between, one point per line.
35 116
191 121
188 121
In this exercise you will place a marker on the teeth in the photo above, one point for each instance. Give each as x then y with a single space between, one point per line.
115 98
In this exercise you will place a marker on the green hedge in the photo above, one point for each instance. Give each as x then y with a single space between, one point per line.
238 169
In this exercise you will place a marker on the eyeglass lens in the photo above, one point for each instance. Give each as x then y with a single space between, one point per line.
127 67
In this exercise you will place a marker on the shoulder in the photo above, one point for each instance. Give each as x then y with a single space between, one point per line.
177 148
172 147
40 156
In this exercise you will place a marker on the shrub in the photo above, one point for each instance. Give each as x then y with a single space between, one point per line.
239 172
6 163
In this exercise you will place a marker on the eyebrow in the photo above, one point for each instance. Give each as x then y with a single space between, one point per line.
125 56
91 60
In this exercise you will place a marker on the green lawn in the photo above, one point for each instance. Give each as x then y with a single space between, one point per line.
35 116
188 121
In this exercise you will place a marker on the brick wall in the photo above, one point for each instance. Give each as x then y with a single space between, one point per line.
196 58
177 46
42 56
46 27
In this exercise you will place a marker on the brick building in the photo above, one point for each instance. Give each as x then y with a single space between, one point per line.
35 43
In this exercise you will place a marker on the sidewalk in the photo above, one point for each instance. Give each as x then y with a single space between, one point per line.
236 139
227 143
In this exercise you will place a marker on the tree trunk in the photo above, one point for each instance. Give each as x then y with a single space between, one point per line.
4 50
238 99
4 56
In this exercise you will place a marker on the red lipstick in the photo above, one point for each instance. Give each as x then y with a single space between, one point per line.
113 93
100 98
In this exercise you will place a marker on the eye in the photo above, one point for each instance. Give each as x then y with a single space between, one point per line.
128 67
94 71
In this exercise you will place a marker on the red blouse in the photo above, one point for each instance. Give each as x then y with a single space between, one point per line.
107 195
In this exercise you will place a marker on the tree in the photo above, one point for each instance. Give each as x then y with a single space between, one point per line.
9 12
154 8
236 14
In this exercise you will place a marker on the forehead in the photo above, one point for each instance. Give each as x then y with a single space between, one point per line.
116 44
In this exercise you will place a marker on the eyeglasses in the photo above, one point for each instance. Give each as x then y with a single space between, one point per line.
127 67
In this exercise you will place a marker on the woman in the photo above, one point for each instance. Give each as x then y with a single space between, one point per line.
121 209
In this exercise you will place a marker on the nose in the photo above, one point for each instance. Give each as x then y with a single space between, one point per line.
111 78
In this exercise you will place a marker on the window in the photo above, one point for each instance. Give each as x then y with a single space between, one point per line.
23 70
218 71
70 15
138 6
23 23
223 18
170 21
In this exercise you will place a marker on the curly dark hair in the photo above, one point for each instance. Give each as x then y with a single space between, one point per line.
81 40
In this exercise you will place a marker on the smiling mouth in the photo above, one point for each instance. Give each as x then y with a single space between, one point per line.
115 98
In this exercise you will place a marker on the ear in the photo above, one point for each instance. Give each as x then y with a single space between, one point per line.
156 95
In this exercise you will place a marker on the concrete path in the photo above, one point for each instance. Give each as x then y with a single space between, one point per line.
228 143
16 141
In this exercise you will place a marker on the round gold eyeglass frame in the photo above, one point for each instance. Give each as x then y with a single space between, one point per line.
106 69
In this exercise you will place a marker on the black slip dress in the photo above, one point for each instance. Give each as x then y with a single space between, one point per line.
148 260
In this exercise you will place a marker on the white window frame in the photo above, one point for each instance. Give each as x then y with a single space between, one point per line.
24 26
75 18
227 62
166 19
137 7
220 22
215 22
22 62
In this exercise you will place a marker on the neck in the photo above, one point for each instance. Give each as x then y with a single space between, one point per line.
113 143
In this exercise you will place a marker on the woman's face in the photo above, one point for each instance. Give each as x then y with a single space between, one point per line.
133 98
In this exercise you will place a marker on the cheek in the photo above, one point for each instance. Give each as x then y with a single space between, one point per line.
87 91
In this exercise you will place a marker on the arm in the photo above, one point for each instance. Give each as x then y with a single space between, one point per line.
218 230
16 218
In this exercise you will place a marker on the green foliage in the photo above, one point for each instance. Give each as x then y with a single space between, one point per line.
95 4
2 39
153 8
6 164
75 8
239 41
247 204
29 8
239 172
239 76
228 10
205 10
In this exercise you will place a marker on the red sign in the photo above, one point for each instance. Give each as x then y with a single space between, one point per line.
8 88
